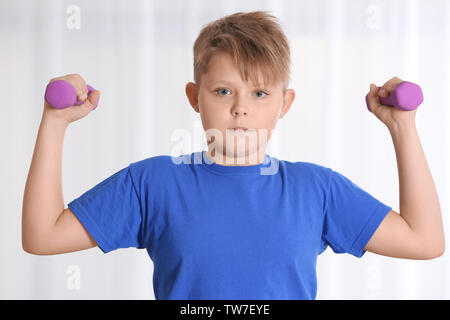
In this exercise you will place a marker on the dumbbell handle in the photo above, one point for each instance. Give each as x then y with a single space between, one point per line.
405 96
61 94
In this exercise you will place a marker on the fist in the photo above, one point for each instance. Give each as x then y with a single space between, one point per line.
74 112
389 115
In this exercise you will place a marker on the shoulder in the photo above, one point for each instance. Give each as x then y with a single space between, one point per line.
158 165
159 162
306 170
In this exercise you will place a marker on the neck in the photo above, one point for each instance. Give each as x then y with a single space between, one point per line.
223 159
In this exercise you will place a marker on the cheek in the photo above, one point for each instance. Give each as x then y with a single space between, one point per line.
268 118
211 112
211 106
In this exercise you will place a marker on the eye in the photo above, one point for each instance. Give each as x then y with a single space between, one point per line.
221 90
262 92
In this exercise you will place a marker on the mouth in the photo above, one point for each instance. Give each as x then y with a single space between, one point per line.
239 129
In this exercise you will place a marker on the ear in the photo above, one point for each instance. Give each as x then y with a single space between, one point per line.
192 95
289 96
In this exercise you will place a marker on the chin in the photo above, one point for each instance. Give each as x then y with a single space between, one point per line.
240 151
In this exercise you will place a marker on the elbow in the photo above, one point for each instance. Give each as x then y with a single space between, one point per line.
31 248
441 251
38 248
25 244
28 249
33 251
436 252
432 247
33 241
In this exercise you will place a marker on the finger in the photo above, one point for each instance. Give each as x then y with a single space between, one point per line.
55 79
76 85
389 86
91 100
374 102
392 84
82 85
81 92
384 92
75 81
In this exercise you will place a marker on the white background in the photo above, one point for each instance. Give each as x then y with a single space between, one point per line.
139 54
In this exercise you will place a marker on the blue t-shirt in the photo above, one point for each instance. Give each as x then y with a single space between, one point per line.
230 232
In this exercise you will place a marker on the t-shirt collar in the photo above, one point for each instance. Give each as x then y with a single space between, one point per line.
201 158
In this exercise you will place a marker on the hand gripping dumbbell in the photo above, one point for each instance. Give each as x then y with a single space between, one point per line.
405 96
61 94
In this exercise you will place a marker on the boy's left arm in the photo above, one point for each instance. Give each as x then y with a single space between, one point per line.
417 231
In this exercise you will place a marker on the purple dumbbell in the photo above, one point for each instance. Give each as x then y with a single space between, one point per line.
405 96
61 94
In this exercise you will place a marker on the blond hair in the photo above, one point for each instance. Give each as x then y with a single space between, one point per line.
255 40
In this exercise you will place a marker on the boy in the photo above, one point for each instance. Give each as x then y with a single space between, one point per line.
213 224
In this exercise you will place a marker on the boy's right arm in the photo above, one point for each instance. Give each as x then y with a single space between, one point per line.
48 228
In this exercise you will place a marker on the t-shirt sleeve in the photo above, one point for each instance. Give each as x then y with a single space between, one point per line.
111 212
351 215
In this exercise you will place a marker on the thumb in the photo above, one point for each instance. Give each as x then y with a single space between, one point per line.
382 92
92 100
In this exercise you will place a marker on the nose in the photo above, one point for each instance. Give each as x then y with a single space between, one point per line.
239 112
239 109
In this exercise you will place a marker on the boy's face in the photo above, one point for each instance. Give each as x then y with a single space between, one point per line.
225 101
